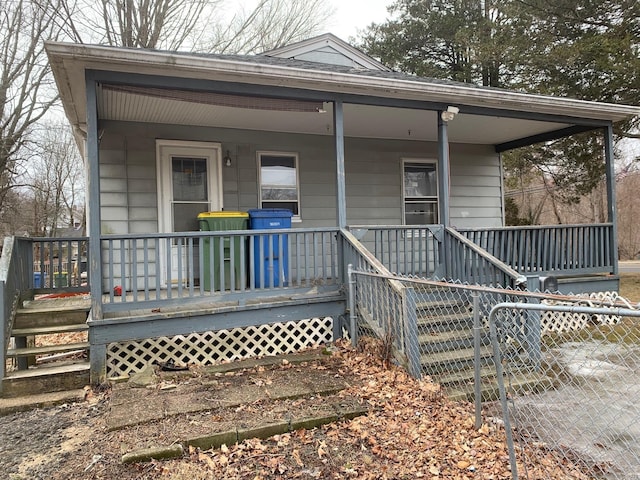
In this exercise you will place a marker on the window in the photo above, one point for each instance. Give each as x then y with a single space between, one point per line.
279 181
190 192
420 193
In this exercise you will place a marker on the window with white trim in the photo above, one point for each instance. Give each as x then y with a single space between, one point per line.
278 178
420 188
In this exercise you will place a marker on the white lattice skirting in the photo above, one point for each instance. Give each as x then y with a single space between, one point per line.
206 348
559 322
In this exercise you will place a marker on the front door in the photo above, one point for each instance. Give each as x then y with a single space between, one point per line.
189 182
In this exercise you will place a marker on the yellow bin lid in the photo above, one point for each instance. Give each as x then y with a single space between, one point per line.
223 214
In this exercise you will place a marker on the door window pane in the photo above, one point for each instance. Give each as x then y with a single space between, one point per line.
190 192
189 177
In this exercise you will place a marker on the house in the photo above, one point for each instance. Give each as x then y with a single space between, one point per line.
379 169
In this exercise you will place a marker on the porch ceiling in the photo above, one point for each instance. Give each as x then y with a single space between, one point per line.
359 120
487 116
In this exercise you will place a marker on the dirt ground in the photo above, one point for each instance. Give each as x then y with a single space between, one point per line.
411 431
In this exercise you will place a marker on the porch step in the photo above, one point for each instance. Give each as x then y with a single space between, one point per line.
445 321
51 315
438 363
436 341
50 378
25 332
449 305
464 378
523 382
46 349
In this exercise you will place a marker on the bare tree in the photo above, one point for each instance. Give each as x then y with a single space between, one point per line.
196 25
26 88
56 182
162 24
270 24
628 213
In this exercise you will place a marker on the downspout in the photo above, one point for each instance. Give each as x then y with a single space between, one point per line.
611 194
93 202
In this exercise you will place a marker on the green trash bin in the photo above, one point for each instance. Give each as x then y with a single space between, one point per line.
61 279
215 265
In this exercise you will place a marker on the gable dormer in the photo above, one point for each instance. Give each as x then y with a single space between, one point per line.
327 48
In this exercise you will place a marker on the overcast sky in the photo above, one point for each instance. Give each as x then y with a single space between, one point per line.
353 15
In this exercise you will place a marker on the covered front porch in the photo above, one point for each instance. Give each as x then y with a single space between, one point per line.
304 303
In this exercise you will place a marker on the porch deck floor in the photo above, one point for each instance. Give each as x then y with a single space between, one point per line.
191 306
223 302
58 302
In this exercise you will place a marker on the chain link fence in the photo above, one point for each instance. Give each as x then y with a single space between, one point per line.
561 372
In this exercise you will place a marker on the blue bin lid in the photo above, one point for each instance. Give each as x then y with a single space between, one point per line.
270 213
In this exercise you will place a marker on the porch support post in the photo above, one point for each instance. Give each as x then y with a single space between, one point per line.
611 195
338 129
93 200
443 171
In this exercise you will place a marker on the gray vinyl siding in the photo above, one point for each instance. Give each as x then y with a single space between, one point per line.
373 169
476 183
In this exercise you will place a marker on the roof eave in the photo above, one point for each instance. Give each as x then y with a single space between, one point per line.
184 65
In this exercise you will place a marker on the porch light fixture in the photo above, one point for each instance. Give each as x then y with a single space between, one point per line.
227 159
449 114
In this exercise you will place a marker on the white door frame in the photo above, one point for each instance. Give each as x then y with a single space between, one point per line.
165 150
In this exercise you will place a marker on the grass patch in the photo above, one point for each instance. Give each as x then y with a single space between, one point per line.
630 286
626 332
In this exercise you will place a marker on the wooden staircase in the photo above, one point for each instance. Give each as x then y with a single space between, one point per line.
445 336
50 351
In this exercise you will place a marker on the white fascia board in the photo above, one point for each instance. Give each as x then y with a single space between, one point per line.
187 66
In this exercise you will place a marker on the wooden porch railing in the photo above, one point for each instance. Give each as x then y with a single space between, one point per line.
385 305
59 263
403 249
433 251
572 249
147 270
15 282
466 262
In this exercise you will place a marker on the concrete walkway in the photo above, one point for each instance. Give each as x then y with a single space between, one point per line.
248 399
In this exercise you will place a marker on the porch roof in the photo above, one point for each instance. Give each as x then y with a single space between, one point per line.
407 103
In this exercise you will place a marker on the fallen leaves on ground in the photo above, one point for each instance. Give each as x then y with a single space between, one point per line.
412 431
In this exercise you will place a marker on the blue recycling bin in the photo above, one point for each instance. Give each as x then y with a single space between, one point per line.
39 279
270 259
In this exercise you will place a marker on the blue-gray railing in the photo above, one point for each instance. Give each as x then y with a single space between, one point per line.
381 303
144 270
15 277
59 264
403 249
433 251
573 249
466 262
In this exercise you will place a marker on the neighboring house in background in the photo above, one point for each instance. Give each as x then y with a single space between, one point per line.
371 163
